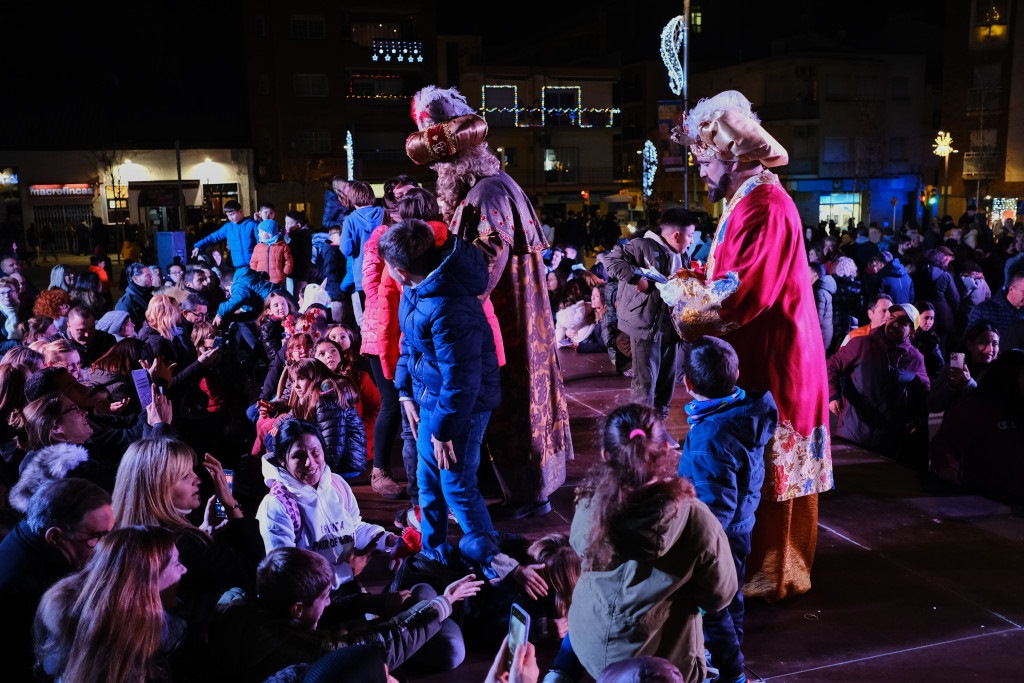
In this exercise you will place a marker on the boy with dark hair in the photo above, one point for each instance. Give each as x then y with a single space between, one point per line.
280 627
723 455
642 314
358 226
239 232
449 367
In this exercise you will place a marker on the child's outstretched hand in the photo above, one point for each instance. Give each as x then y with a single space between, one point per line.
528 576
462 589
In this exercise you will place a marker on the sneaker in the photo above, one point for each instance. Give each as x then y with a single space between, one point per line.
382 483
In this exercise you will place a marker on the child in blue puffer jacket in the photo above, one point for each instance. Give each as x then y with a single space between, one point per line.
448 384
723 455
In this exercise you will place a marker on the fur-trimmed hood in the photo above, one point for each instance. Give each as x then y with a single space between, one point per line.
44 464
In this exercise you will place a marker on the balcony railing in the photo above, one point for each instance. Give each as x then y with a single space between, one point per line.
981 165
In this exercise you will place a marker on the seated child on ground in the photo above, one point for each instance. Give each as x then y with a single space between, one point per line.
279 626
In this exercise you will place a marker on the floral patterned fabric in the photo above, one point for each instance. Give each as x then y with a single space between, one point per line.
528 435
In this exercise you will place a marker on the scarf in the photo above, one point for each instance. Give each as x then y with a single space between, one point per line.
11 324
698 410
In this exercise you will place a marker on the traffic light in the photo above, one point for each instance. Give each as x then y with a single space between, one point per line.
585 195
932 194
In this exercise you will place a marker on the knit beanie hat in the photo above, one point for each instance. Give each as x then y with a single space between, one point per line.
268 231
112 322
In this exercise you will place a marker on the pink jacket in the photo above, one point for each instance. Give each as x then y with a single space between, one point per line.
381 334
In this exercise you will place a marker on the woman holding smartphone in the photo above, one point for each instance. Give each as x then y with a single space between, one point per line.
157 484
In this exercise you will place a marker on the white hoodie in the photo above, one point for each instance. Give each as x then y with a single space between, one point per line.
331 523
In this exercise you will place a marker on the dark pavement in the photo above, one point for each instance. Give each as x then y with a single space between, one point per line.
908 585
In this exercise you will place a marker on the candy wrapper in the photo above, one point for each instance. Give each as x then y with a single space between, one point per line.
696 303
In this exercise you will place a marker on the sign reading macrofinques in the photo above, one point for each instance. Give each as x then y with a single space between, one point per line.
66 190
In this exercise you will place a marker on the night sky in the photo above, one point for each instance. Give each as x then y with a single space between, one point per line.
134 78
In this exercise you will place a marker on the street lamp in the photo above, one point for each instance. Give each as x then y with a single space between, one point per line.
943 147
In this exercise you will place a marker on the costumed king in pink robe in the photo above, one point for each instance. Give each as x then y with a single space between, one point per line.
772 323
528 435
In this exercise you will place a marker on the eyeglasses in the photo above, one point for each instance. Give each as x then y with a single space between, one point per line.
73 409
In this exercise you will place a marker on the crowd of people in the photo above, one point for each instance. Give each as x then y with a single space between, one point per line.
926 323
181 445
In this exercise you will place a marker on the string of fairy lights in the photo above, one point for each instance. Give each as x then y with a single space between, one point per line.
538 116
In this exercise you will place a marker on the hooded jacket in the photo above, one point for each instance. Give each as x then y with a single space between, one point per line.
448 363
723 455
380 311
897 283
641 314
58 461
241 238
357 228
649 604
328 516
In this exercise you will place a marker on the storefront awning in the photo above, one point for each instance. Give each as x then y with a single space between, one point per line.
163 192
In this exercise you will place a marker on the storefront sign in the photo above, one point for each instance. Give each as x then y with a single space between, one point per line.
8 176
66 190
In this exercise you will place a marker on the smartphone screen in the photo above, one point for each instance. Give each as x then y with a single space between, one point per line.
518 632
956 360
143 387
218 507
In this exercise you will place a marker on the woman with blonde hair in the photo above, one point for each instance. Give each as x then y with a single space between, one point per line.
164 338
62 277
157 484
62 353
109 622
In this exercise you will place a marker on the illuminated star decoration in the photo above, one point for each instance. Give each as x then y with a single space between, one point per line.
350 160
650 166
671 41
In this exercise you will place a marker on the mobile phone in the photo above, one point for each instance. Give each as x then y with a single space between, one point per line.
218 507
518 632
956 360
218 342
143 387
